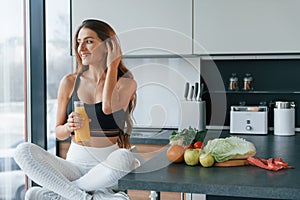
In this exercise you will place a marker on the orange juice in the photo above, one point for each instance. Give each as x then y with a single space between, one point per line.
82 134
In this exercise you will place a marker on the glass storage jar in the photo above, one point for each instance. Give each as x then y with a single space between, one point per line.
233 82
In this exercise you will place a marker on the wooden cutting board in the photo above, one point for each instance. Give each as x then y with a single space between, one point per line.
232 163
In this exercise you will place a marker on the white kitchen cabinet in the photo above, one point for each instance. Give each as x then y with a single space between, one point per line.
144 27
246 27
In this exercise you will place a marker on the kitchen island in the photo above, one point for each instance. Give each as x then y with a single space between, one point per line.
158 174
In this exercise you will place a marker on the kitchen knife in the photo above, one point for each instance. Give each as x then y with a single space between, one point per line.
196 90
192 93
201 91
186 91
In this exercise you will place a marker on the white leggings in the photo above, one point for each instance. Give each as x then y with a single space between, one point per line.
86 169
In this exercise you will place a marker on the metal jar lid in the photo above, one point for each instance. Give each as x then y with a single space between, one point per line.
233 79
284 104
248 78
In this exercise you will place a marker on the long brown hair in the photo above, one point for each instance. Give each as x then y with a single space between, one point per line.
105 32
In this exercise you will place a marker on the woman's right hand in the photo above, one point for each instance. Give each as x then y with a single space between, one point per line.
114 54
74 122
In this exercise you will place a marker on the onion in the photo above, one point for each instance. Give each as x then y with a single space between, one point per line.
175 153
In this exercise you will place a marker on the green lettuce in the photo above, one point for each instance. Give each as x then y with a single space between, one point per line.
187 136
223 149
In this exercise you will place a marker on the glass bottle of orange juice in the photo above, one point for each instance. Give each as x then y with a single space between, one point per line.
82 134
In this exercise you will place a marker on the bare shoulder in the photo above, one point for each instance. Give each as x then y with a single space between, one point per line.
68 79
67 83
127 83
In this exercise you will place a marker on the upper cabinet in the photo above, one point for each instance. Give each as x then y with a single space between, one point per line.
144 27
246 27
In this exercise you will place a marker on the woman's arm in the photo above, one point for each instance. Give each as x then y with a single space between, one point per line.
116 93
66 86
109 86
124 92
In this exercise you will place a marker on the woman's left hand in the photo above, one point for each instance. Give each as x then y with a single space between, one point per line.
114 54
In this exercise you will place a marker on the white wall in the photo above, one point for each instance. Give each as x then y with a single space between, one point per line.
161 84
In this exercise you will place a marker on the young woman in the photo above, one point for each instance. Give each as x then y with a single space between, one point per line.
108 90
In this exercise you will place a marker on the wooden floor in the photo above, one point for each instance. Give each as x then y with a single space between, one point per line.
144 195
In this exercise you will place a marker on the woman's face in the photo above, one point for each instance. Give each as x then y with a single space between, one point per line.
91 48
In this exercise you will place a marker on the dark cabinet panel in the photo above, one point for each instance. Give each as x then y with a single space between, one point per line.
273 80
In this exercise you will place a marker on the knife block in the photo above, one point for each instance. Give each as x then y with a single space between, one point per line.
192 114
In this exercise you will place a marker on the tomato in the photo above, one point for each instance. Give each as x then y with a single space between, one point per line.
188 147
198 145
